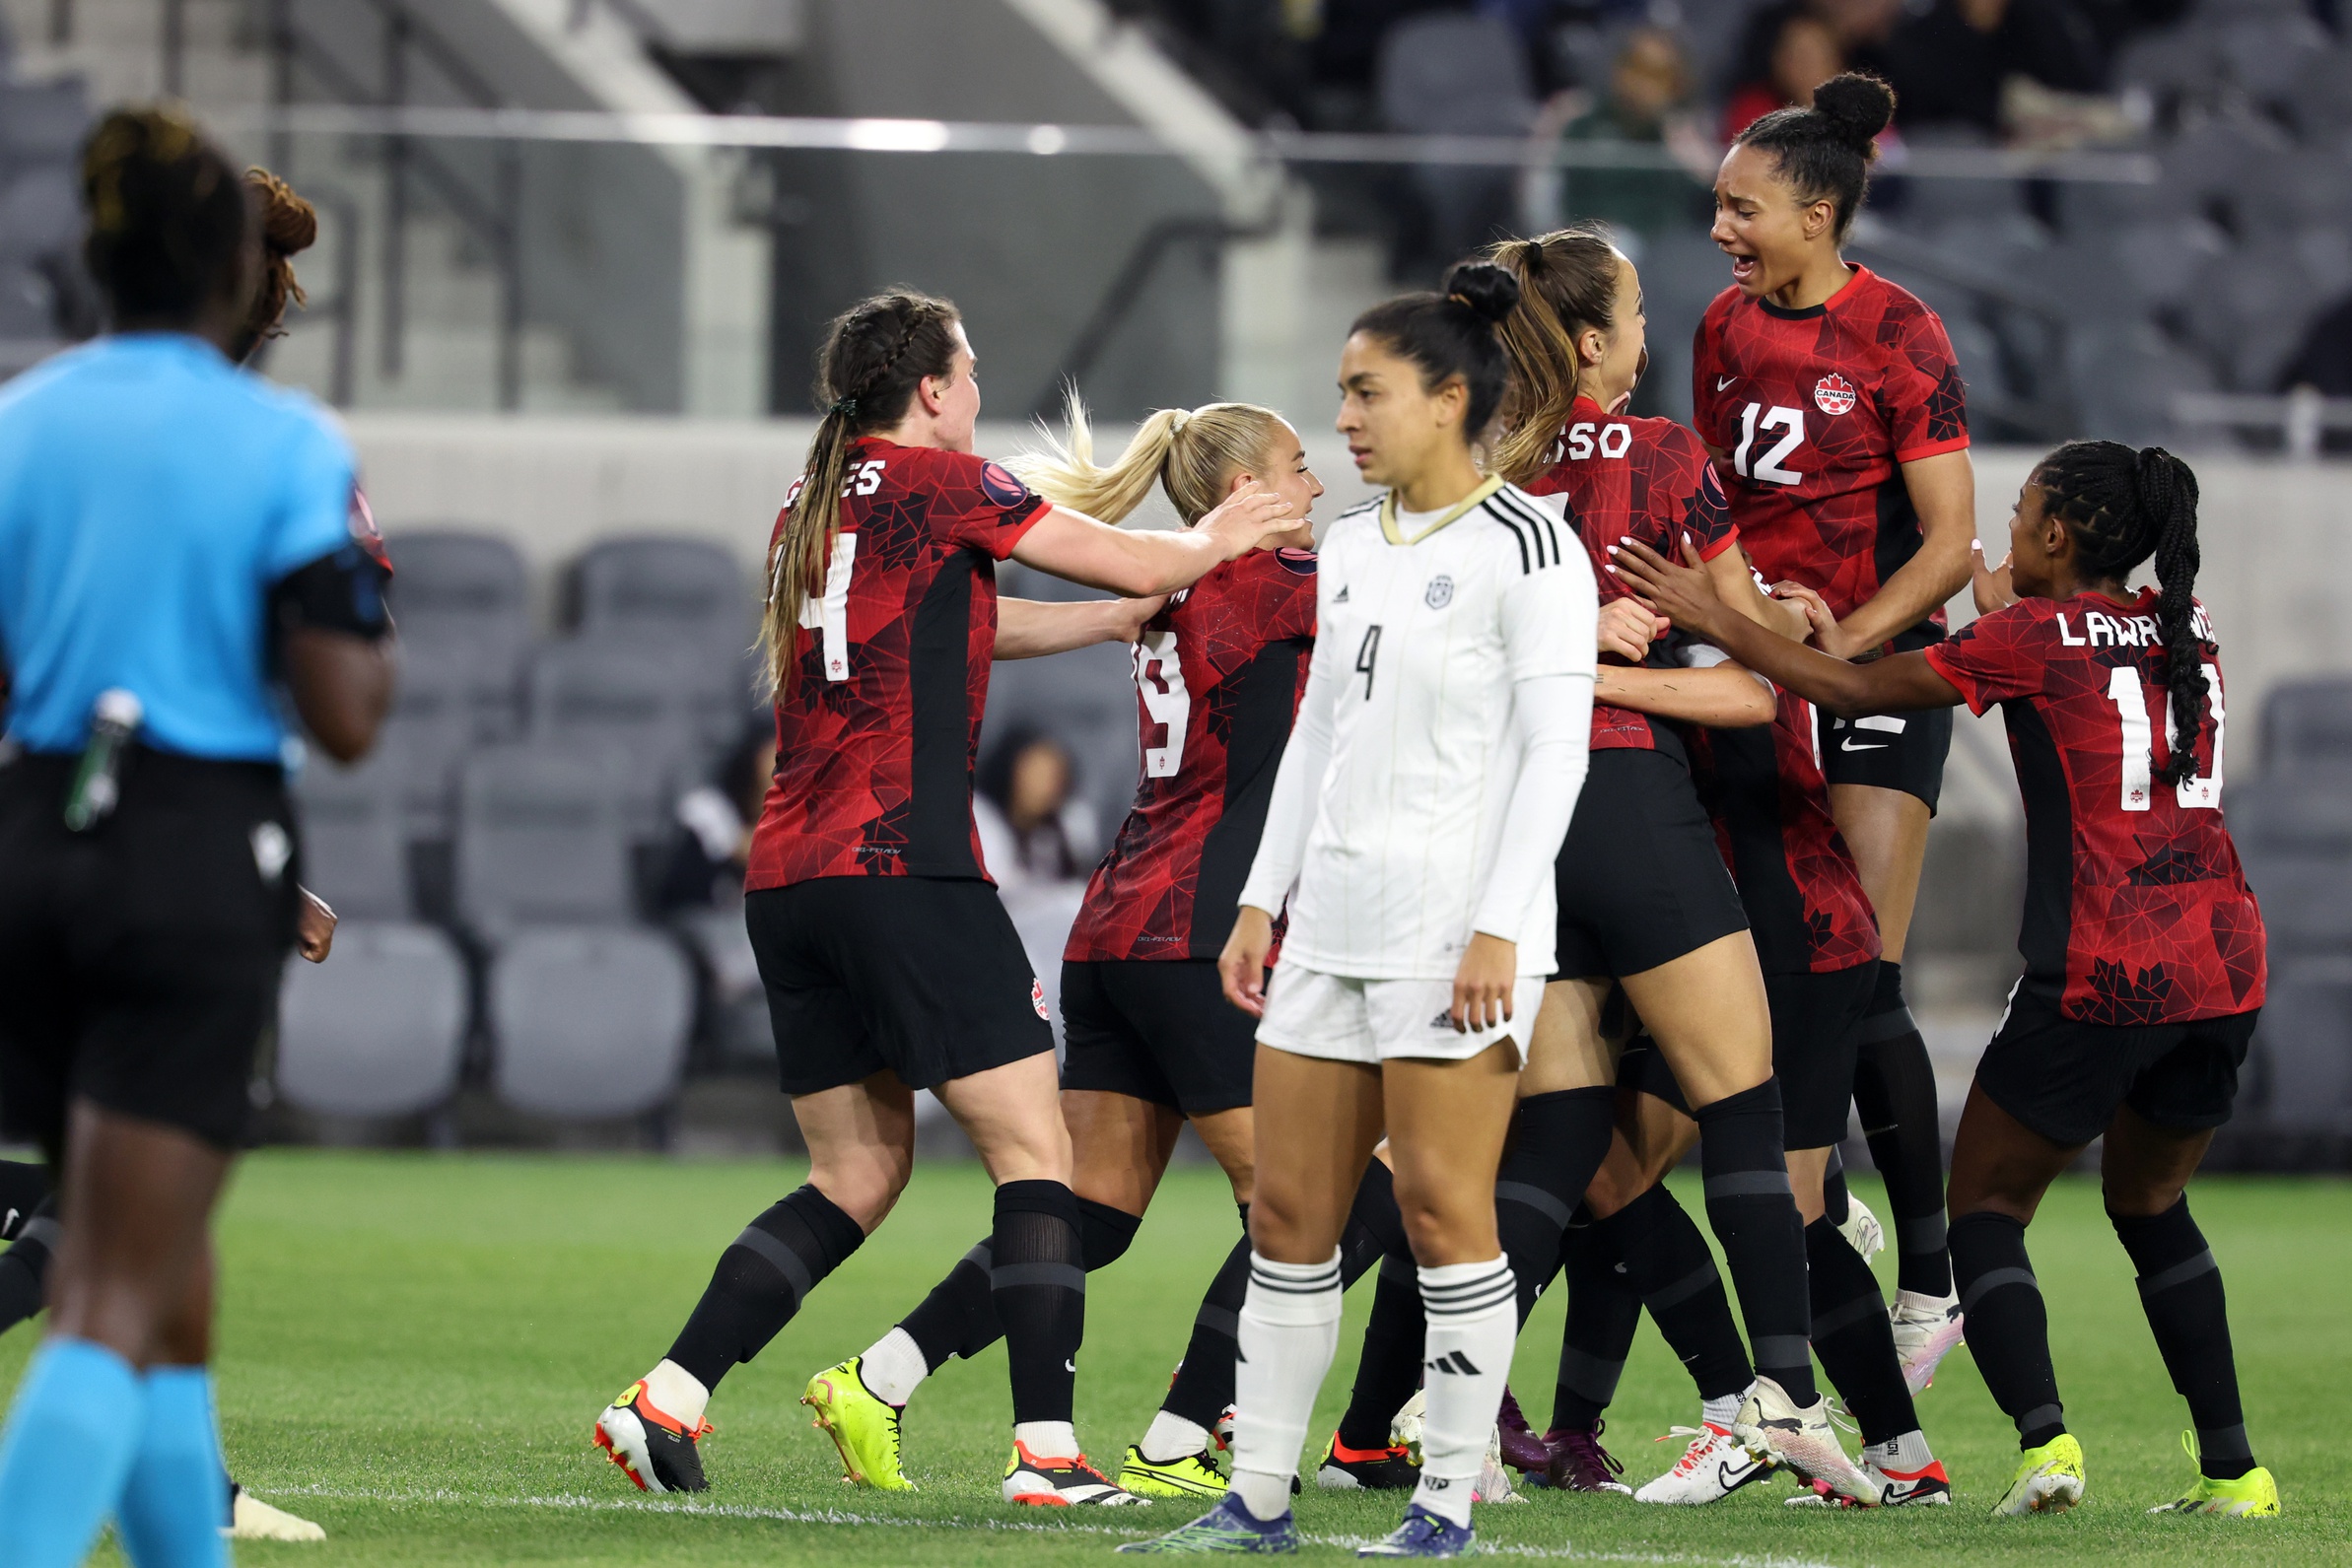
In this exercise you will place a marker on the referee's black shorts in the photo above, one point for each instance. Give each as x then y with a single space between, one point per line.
924 975
139 962
1159 1030
1639 877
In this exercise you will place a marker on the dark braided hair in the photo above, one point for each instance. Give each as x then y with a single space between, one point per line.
289 225
875 354
1828 150
2121 506
168 216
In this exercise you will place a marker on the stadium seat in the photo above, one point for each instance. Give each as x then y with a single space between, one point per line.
1086 700
2293 834
589 1021
450 696
2303 1047
663 589
380 1029
735 1006
453 587
540 839
44 121
636 698
2308 724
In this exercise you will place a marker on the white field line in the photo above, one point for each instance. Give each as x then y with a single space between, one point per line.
843 1516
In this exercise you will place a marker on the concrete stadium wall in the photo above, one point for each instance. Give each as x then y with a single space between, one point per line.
2277 536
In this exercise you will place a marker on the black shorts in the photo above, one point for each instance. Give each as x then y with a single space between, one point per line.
1639 877
1892 751
2064 1079
140 961
923 975
1159 1030
1817 1030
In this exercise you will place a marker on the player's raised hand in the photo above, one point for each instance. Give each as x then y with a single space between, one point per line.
1248 518
1682 592
1989 585
1130 616
1482 984
1627 628
1241 967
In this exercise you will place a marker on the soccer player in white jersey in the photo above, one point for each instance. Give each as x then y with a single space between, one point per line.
1430 778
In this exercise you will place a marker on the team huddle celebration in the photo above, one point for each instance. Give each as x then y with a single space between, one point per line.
1502 844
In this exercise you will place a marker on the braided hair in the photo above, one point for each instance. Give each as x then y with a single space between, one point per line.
875 354
289 225
2121 506
169 220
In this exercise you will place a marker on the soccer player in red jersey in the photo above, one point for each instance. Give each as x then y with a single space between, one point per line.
1832 400
1151 1040
2144 950
890 962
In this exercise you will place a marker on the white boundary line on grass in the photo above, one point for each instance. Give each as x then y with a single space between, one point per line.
839 1516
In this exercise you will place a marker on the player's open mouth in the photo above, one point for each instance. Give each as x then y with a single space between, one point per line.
1743 268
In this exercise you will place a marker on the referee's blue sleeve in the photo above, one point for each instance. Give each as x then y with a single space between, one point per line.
315 497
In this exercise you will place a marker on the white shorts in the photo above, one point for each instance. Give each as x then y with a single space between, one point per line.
1309 1013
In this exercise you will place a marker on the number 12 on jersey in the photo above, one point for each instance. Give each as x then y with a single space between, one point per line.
1790 421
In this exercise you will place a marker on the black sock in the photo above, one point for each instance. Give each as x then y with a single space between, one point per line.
1895 1090
1390 1368
1853 1338
1835 1199
1562 1138
1038 1277
2008 1324
761 1280
24 1266
1755 1216
1375 1225
2181 1292
1604 1311
1668 1262
1204 1381
959 1316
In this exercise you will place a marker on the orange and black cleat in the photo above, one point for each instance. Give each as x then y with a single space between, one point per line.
655 1447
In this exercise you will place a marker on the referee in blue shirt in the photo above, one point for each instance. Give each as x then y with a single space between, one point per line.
176 564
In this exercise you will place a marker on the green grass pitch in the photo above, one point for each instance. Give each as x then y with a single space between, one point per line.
413 1347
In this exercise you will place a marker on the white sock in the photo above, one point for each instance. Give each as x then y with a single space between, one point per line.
1720 1411
1173 1437
1473 1313
893 1368
676 1392
1289 1330
1907 1453
1047 1440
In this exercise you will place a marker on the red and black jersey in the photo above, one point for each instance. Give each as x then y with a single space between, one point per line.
1650 478
1218 675
1815 411
2136 909
1804 897
876 737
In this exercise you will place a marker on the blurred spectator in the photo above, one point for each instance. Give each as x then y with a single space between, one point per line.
2324 365
1792 51
1948 66
1648 100
715 822
1033 826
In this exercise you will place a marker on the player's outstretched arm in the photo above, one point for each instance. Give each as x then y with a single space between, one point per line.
1724 696
1943 491
1685 595
1030 628
1144 562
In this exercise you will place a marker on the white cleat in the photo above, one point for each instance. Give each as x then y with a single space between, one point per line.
1861 1230
1772 1425
1714 1466
1927 1329
252 1519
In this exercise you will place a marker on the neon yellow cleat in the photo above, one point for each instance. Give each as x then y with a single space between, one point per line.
1194 1475
2048 1479
863 1428
2254 1495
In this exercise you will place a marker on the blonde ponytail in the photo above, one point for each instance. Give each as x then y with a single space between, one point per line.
1193 453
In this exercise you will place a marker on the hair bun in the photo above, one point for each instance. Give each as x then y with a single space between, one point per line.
1858 106
289 223
1485 288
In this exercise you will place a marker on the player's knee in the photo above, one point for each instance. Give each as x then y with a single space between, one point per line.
866 1187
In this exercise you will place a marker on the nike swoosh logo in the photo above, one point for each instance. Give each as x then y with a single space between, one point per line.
1723 382
1851 746
1070 1366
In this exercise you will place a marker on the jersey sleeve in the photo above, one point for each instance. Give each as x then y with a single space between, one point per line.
2000 656
318 478
980 505
1550 621
1927 405
1705 510
1707 369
